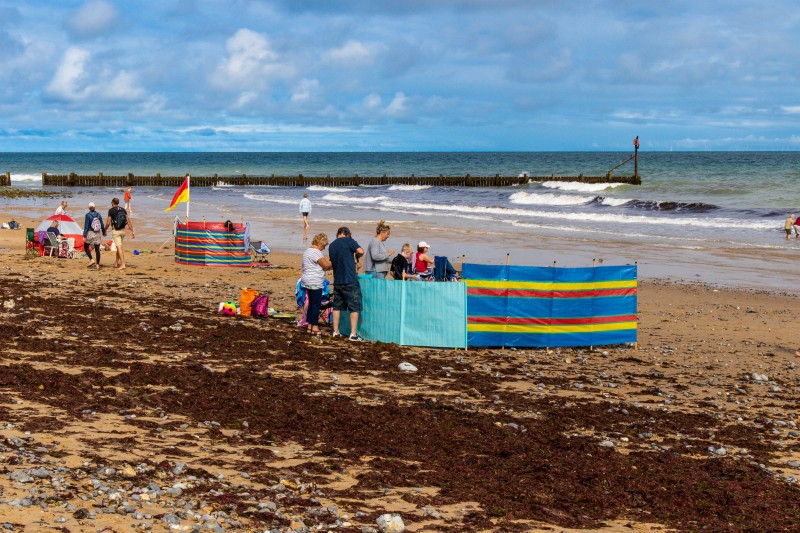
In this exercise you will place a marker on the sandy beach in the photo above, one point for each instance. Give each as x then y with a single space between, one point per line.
126 403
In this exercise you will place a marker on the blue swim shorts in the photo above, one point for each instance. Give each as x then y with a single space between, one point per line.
347 298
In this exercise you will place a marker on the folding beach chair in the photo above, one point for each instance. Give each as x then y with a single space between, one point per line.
31 246
443 270
50 243
259 251
326 304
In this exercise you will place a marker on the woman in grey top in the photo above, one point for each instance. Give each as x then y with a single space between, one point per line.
377 258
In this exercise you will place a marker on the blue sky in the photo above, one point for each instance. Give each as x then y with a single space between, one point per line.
392 75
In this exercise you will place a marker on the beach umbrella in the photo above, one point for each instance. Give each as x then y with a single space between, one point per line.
66 226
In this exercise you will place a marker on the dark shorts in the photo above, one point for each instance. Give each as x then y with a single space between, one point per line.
347 298
305 214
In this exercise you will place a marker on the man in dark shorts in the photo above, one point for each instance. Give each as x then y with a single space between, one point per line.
344 252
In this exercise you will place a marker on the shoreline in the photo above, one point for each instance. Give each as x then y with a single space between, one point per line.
721 268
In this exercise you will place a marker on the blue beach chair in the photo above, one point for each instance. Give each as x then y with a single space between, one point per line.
260 251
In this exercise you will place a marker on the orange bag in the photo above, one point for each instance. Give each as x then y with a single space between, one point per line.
245 300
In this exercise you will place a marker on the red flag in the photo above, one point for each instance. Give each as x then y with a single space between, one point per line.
181 195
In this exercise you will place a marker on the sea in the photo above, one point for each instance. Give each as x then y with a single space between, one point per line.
714 217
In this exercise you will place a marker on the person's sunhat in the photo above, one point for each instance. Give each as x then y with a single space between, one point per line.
423 244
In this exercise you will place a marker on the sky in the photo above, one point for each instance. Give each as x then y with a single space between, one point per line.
398 75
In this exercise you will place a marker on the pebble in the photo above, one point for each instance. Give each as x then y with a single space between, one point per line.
390 523
170 519
407 367
21 476
41 473
607 444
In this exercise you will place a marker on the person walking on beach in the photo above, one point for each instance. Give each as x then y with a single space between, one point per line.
313 279
62 209
118 220
305 209
344 252
378 258
788 225
92 232
127 198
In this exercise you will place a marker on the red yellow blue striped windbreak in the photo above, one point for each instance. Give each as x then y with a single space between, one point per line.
549 307
210 244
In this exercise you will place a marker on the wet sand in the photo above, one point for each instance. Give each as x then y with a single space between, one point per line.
145 408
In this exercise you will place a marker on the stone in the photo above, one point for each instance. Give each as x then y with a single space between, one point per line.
41 473
170 519
407 367
21 476
81 513
390 523
607 444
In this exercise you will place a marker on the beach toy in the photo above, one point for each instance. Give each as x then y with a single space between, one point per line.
136 252
227 308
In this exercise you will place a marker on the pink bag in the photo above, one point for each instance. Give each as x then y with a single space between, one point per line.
259 308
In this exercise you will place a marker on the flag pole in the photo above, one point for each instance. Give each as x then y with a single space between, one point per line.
188 177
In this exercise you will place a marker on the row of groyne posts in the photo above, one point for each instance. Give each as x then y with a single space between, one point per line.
130 180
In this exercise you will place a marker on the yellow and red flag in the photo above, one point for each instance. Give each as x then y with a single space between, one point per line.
181 195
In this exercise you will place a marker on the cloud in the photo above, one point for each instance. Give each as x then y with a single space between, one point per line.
93 18
372 105
306 91
77 79
351 54
398 106
250 63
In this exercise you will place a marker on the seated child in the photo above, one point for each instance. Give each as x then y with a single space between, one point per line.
400 265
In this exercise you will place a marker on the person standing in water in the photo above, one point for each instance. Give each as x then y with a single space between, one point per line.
127 198
305 209
787 226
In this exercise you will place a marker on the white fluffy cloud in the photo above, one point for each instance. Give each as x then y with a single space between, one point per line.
250 63
94 17
77 79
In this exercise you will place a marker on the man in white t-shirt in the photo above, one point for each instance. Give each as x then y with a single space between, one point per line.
62 209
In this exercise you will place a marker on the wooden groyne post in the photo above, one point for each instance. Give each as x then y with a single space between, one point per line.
5 179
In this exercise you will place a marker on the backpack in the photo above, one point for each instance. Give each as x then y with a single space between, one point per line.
260 306
120 219
95 225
